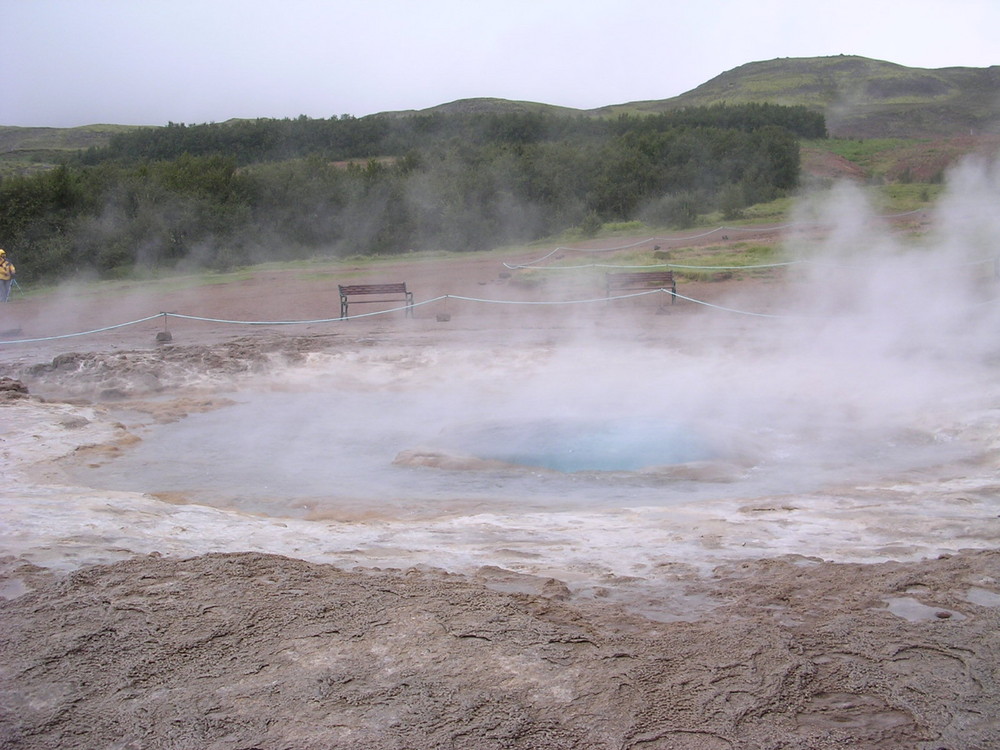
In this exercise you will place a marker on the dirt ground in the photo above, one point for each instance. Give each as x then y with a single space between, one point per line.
247 650
250 650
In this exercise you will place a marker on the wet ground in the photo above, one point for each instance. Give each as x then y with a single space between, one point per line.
306 538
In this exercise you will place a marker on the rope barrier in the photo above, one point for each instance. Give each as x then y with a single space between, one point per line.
734 310
678 238
82 333
300 322
202 319
647 241
751 266
664 265
552 302
462 298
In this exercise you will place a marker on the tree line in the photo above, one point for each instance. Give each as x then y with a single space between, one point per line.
221 195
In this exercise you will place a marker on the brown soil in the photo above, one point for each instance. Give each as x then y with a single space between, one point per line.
253 651
258 651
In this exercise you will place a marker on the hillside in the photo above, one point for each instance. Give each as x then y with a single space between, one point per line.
860 97
947 111
26 150
487 105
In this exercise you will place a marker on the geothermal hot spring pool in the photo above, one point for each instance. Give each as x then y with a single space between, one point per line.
584 462
427 451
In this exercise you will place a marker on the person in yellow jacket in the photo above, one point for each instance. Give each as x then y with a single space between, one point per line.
6 276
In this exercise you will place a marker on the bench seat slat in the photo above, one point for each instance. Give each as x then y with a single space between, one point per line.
349 290
642 280
373 289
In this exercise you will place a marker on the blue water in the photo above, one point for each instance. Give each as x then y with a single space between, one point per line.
571 445
288 454
271 452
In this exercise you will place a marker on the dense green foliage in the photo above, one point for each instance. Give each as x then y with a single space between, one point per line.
227 194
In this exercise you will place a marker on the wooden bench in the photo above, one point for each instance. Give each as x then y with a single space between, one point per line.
351 290
642 280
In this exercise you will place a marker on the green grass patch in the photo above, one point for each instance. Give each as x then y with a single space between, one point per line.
772 212
899 198
623 227
862 151
161 281
717 262
706 263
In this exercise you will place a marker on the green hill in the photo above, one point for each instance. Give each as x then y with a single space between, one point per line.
489 105
860 97
27 150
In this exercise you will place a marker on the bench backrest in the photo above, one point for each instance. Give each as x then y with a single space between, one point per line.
346 289
644 279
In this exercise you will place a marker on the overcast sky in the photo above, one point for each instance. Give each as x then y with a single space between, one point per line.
149 62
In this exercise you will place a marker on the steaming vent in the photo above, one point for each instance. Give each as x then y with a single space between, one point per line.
573 445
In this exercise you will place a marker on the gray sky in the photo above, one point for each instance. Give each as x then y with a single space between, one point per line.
149 62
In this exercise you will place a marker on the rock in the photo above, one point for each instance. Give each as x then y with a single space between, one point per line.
11 389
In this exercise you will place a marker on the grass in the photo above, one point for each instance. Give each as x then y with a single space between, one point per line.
27 151
163 281
909 197
772 212
898 160
720 262
862 151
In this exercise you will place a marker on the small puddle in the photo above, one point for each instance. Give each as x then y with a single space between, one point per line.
983 597
912 610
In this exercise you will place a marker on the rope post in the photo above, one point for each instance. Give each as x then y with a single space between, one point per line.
444 317
164 336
